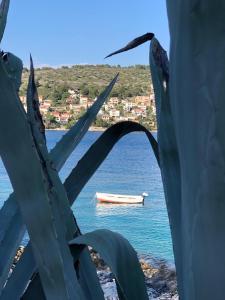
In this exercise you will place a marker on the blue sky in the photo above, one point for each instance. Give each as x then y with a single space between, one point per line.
82 31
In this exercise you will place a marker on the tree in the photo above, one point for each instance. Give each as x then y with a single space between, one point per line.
101 123
60 94
50 121
72 120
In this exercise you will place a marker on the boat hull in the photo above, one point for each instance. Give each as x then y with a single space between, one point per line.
119 199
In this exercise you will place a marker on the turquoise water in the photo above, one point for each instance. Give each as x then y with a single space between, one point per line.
130 168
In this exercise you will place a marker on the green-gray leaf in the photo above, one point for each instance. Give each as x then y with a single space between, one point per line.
4 7
33 110
169 157
14 67
98 152
120 256
134 43
33 197
92 160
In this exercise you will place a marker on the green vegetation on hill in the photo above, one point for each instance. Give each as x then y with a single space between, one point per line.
89 80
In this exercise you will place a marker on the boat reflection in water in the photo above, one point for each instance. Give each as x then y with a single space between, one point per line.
107 209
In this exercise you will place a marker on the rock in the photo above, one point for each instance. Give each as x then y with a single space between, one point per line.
148 270
98 261
19 253
164 281
159 277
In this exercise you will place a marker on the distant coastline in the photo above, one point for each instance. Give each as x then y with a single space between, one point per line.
92 129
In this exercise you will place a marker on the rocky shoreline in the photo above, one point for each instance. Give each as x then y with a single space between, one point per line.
160 277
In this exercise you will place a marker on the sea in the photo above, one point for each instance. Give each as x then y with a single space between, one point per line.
130 168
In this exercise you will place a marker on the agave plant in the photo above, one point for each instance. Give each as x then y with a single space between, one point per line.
56 263
189 94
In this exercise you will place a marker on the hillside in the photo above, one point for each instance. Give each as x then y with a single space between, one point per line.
66 92
90 80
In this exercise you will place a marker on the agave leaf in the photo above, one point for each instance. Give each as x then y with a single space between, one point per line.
14 68
10 211
71 139
35 291
20 277
134 43
10 237
88 280
69 142
120 256
4 7
93 158
33 111
17 284
197 94
35 121
51 175
169 157
65 225
32 189
88 165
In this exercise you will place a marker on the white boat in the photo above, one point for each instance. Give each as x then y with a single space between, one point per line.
120 199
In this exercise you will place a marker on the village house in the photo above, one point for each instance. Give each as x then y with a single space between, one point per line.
116 119
105 117
142 107
44 106
137 112
90 102
154 110
56 114
114 101
47 102
61 117
83 100
72 93
69 100
101 112
60 109
144 114
142 100
108 106
131 118
128 106
64 117
75 107
44 109
152 96
123 118
124 101
114 113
